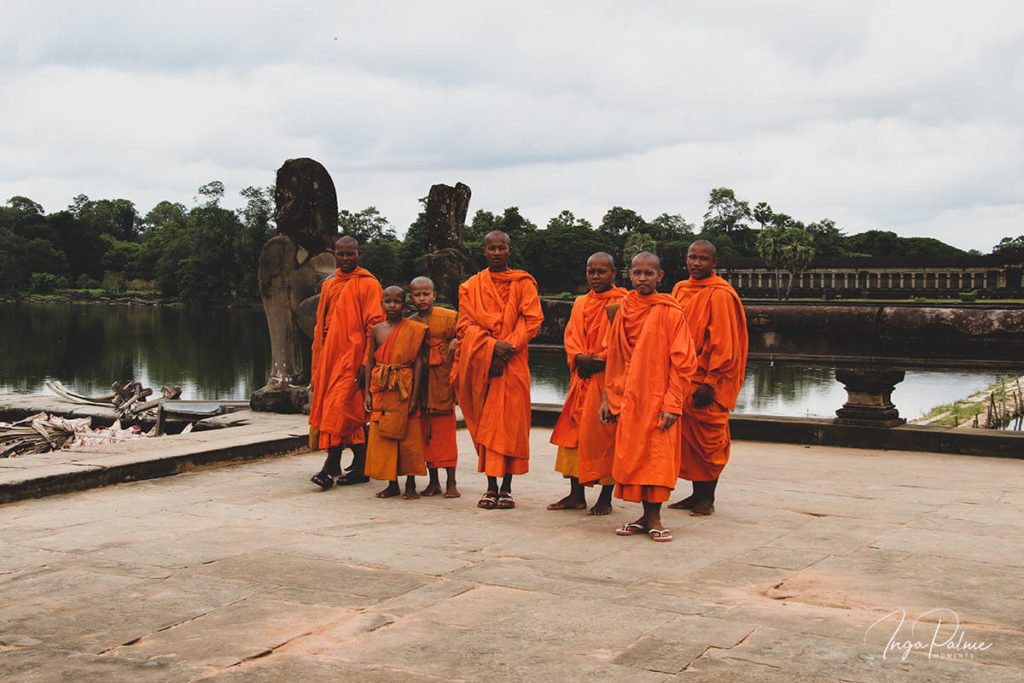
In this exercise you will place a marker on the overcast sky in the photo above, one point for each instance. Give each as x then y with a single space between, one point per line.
904 116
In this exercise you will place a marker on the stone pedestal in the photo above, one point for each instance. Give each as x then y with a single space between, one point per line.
869 392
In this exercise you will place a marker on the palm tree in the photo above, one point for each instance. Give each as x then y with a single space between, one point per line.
769 247
796 249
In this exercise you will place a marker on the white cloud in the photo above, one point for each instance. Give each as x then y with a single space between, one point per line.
896 115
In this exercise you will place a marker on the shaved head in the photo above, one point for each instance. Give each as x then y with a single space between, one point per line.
706 244
498 235
647 256
348 240
599 256
395 290
422 281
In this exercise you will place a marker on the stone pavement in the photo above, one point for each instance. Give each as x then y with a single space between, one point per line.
249 572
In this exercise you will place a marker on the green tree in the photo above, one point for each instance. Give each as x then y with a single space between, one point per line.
619 222
763 214
671 228
796 250
828 239
725 213
1010 246
209 270
636 243
557 255
257 218
366 226
769 247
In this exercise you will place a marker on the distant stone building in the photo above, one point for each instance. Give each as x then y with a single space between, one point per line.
991 276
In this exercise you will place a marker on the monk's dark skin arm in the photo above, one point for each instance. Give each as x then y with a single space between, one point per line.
417 382
588 365
368 369
703 395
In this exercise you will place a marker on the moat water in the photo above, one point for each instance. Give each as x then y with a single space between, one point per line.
220 353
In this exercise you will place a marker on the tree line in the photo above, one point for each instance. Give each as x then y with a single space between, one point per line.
208 254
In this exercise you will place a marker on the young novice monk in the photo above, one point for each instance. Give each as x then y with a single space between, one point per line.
349 306
718 327
584 442
394 370
499 312
438 402
649 358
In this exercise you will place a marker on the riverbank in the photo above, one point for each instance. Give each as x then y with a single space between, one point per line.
1001 402
101 297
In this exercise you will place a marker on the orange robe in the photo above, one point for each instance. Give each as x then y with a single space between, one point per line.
718 327
440 448
584 442
349 306
395 446
497 307
649 360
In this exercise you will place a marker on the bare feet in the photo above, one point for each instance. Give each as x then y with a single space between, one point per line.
702 508
410 489
433 488
600 508
390 491
570 502
451 491
684 504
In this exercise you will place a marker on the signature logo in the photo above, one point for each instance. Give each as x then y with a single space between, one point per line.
936 632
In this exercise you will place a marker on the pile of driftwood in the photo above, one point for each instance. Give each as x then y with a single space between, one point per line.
43 433
128 400
38 434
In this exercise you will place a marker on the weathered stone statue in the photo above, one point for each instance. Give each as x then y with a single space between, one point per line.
447 259
292 265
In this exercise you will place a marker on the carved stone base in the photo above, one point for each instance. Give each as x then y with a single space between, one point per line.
280 398
869 392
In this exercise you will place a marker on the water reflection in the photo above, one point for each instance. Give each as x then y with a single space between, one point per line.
210 353
795 391
220 353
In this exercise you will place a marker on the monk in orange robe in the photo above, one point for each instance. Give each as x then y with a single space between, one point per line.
438 402
349 306
718 327
649 360
584 442
499 313
394 373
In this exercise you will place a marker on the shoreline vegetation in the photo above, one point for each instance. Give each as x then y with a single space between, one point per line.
208 254
151 297
998 406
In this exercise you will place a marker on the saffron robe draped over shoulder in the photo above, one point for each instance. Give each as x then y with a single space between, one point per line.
649 361
718 327
440 447
395 446
497 307
349 306
585 443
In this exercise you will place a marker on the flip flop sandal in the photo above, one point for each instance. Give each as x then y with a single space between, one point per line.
488 501
323 479
349 478
631 529
505 501
660 535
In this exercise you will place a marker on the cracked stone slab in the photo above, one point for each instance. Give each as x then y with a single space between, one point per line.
280 569
248 629
661 655
881 581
